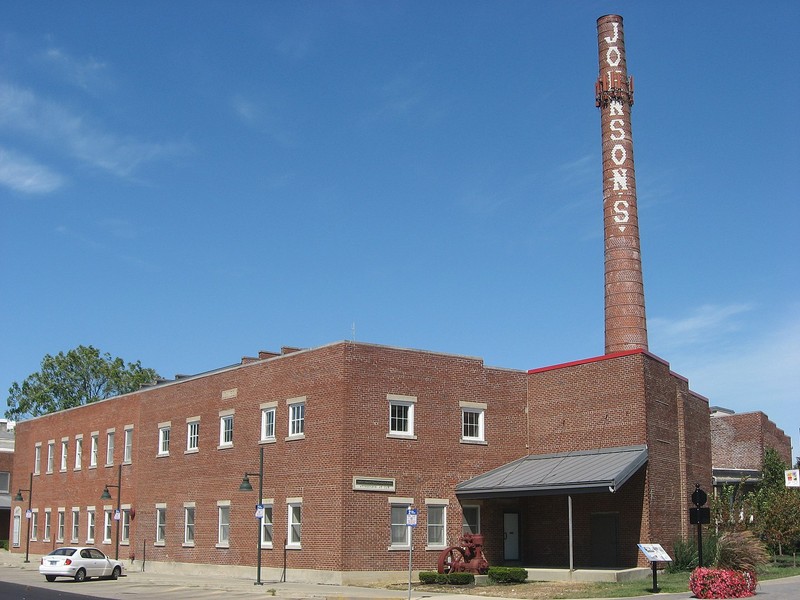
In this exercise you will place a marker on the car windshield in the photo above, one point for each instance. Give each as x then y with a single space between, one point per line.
63 552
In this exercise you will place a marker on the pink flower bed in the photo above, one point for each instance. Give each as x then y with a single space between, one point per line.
722 583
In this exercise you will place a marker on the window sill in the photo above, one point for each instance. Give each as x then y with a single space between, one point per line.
62 471
127 462
266 546
297 436
437 547
224 446
398 548
188 545
160 455
92 466
475 442
159 544
270 440
107 541
109 464
293 547
124 543
76 469
192 451
401 436
222 546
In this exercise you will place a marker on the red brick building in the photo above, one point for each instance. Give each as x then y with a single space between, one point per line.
353 435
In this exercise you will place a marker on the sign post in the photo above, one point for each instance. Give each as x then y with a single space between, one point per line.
654 553
700 516
411 522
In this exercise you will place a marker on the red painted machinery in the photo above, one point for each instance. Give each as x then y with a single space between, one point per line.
467 557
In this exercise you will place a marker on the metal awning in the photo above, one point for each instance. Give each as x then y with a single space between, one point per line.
584 471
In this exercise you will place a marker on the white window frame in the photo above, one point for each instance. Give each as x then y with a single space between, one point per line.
5 482
436 532
397 518
473 408
192 435
297 418
189 521
407 404
125 524
90 524
110 435
34 524
61 524
127 441
108 521
78 451
64 453
164 430
268 414
226 423
161 525
48 523
76 525
223 524
51 452
466 526
93 450
267 523
37 458
294 510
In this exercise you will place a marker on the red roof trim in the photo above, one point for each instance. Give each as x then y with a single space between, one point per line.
589 360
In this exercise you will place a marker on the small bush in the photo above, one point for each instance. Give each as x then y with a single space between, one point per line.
740 551
722 583
684 557
460 578
507 574
427 577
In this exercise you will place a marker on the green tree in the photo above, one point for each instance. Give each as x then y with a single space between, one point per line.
80 376
777 507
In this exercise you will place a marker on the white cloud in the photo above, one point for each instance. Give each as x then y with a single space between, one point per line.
25 175
83 73
704 325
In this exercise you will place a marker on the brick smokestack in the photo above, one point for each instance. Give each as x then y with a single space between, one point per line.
626 327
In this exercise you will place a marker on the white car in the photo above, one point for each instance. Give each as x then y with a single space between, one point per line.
80 563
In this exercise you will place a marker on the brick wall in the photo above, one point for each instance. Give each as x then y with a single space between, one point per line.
740 440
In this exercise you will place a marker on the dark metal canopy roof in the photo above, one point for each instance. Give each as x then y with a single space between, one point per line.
584 471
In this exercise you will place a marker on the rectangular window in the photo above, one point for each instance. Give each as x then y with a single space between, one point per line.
125 522
163 439
266 526
47 524
188 525
35 523
5 482
37 458
128 445
60 525
437 523
64 445
161 524
223 525
295 506
93 451
472 416
76 522
267 422
399 528
297 418
110 448
108 519
226 428
193 435
401 415
90 525
472 519
78 451
51 450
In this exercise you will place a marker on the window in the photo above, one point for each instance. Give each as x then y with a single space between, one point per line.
125 522
90 525
437 523
161 524
51 450
399 529
5 482
266 526
64 444
127 455
226 428
223 524
297 417
472 421
268 421
60 525
188 524
37 458
76 517
472 519
109 448
47 524
93 451
193 434
78 451
163 439
401 416
108 519
34 523
295 506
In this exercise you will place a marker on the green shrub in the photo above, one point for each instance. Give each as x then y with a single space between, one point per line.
684 556
740 551
428 576
507 574
460 578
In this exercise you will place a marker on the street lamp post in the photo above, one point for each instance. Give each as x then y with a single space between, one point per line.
246 487
107 496
18 498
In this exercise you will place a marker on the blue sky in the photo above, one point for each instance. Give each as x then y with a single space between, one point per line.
184 183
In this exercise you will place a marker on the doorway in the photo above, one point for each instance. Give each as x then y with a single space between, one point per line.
604 527
510 536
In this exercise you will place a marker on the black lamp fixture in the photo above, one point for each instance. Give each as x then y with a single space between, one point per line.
19 498
245 486
118 515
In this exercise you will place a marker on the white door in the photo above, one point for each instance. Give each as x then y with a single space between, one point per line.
511 536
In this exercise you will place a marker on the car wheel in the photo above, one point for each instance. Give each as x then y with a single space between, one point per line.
80 575
50 578
116 573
